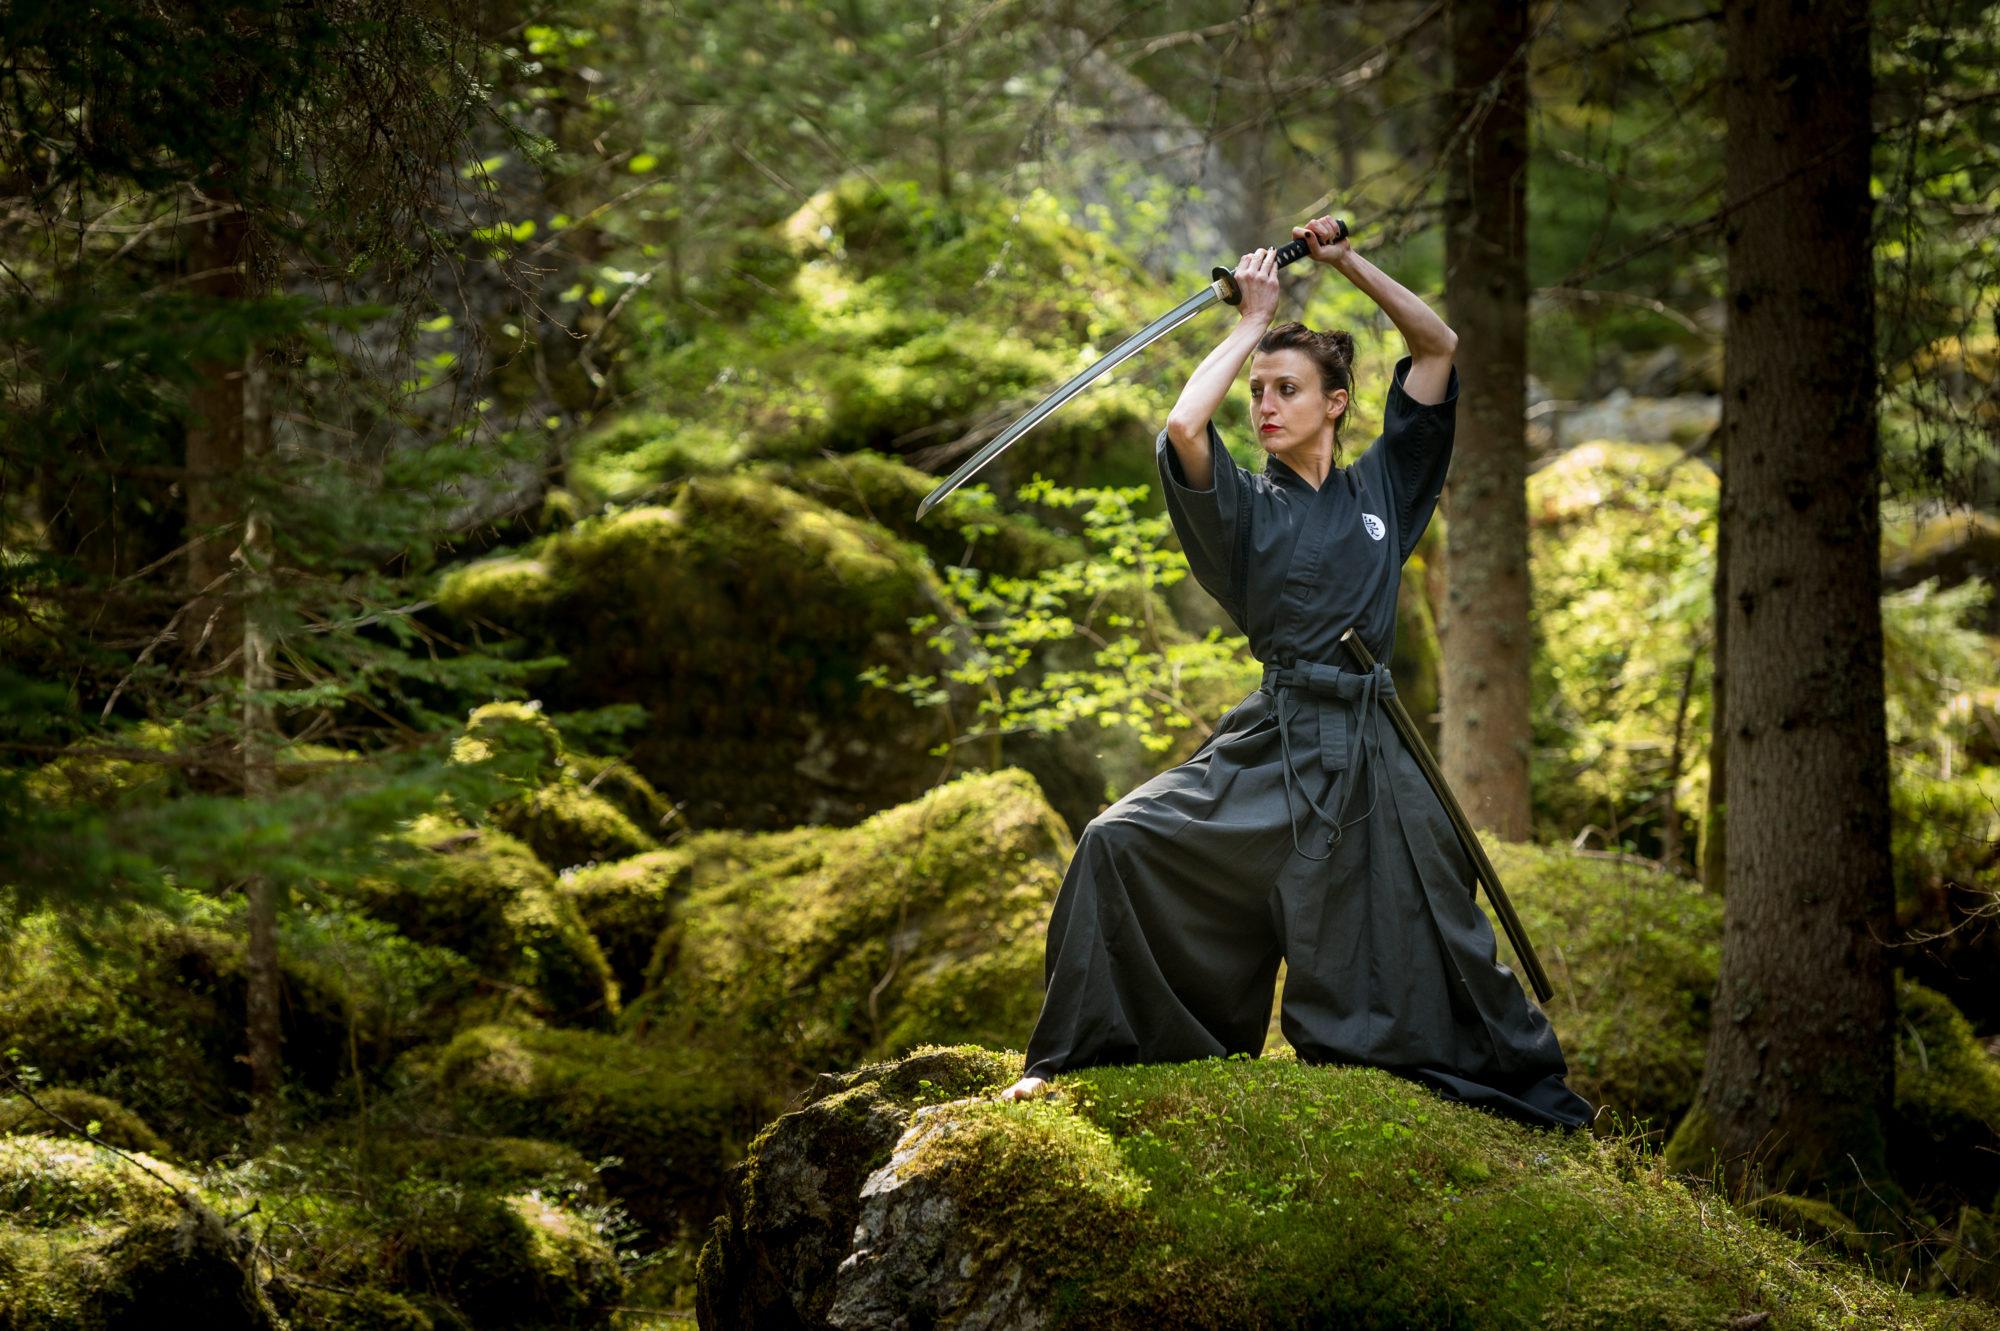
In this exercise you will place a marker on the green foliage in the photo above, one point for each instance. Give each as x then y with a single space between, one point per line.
1622 542
1012 640
923 924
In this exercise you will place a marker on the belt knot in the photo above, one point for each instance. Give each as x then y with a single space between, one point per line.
1308 685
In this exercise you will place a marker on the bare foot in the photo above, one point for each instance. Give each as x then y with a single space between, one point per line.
1028 1088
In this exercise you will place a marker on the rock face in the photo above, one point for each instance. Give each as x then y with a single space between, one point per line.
916 1261
795 1202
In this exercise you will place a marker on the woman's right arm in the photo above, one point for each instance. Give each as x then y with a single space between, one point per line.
1187 424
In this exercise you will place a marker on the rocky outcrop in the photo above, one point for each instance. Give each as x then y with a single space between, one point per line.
794 1204
1247 1193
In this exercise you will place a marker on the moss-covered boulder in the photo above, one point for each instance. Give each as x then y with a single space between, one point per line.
1945 1146
889 319
150 1013
633 795
492 1164
673 1119
567 824
49 1183
361 1309
1247 1193
629 904
190 1264
924 924
1633 955
486 897
560 813
58 1111
514 1262
793 1208
741 617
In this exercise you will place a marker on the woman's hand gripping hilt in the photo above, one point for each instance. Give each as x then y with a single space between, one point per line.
1224 279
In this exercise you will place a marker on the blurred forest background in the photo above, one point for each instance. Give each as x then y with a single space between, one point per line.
480 725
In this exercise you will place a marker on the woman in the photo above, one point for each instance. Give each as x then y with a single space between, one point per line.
1303 829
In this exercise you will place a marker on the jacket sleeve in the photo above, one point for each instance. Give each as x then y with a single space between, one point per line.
1415 450
1208 521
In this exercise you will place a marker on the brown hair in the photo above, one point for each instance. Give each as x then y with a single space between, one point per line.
1332 352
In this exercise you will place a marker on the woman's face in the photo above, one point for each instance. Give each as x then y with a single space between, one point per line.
1288 409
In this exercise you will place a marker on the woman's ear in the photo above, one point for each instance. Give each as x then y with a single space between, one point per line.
1336 403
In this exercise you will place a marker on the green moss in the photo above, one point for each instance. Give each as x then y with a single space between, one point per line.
627 905
113 1122
1633 956
486 897
897 336
355 1310
504 1164
882 490
1813 1221
510 727
43 1276
673 1120
1945 1149
566 824
924 924
151 1014
741 618
514 1261
618 781
53 1182
189 1264
1270 1193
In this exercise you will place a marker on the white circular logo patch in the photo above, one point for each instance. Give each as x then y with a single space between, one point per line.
1374 525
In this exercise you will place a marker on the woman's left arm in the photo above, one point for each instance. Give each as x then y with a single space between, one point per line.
1431 341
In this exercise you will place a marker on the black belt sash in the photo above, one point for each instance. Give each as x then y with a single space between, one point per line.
1304 692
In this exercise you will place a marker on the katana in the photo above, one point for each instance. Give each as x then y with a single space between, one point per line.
1221 289
1482 867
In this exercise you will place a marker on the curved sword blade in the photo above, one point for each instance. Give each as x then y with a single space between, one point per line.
1131 346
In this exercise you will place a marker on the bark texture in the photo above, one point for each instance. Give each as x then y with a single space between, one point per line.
1798 1078
262 972
1488 653
217 260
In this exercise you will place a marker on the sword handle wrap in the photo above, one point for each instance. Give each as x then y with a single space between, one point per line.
1224 279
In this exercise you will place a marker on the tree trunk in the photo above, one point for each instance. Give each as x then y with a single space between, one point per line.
1488 653
1798 1079
263 894
217 257
1715 819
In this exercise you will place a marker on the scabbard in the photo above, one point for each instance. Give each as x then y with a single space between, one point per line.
1524 951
